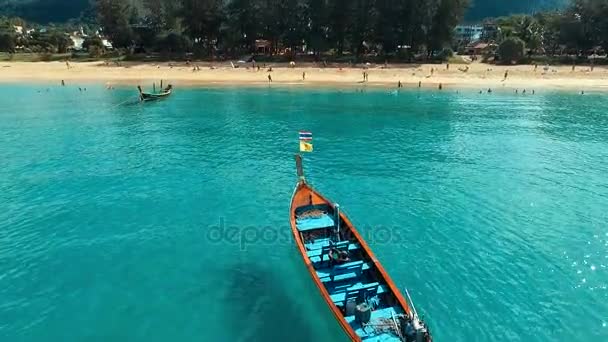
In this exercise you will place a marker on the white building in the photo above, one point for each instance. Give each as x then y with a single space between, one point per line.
106 43
78 38
468 33
18 29
77 42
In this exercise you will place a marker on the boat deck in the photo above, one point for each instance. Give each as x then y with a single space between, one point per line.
352 281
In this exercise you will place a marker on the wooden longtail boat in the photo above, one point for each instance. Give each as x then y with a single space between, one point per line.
357 289
154 95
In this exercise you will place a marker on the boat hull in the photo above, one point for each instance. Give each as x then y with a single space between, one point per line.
304 195
154 97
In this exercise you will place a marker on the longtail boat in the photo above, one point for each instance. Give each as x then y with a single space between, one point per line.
357 289
155 95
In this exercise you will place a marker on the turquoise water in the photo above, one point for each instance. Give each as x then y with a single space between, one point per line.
169 221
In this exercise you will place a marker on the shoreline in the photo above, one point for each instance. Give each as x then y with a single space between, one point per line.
478 76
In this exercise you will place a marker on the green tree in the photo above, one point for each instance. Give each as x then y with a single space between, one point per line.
94 45
362 28
387 30
550 23
175 42
7 42
202 20
317 35
511 50
114 16
91 42
171 10
418 16
156 16
339 21
293 23
243 23
448 14
530 32
59 40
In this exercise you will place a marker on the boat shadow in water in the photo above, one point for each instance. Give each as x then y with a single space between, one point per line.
260 309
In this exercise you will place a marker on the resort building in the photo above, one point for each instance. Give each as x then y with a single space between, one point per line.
467 33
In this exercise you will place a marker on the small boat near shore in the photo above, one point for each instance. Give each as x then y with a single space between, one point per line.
153 96
353 283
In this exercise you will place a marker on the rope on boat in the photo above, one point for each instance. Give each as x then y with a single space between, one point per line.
397 326
313 213
386 325
122 103
382 325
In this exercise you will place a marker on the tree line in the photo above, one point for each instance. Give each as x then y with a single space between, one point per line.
578 31
389 29
355 27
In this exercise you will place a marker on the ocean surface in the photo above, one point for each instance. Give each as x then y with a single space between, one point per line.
169 221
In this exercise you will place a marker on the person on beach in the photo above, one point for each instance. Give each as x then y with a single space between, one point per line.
399 85
506 75
524 92
419 84
489 91
304 76
67 64
535 67
432 71
440 86
269 78
62 83
447 66
532 91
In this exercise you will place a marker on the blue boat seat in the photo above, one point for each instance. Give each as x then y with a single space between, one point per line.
343 272
324 242
358 292
362 294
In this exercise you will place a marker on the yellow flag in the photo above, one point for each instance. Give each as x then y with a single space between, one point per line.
305 146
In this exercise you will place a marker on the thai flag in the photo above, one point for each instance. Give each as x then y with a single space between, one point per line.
305 136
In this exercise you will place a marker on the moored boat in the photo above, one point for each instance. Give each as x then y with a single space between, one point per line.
155 95
357 289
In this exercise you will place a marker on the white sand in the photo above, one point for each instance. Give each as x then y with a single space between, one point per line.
479 75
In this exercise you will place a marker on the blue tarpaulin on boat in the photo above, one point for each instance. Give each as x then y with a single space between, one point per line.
310 223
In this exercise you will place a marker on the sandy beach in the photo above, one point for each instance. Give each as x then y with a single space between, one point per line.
478 75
